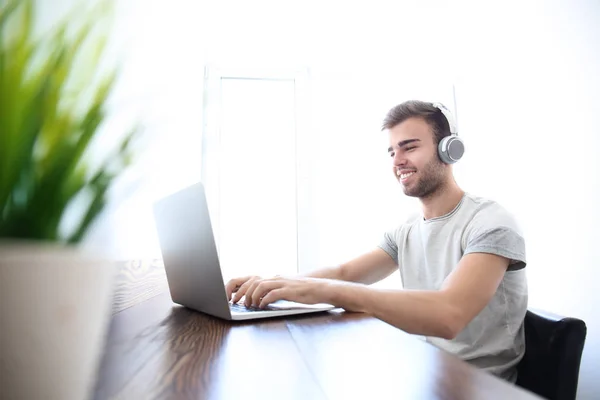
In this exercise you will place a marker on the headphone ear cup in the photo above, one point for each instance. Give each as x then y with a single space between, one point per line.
451 149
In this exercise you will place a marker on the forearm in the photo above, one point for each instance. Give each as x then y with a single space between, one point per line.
425 313
334 273
345 274
368 268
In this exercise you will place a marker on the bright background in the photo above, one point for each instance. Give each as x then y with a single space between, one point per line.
304 177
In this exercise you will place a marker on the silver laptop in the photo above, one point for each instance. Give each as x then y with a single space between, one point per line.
192 264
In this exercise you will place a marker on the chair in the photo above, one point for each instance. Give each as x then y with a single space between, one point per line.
550 366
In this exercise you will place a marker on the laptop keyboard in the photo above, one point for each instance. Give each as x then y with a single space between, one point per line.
242 308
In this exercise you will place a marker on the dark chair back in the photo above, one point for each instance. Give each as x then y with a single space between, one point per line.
550 366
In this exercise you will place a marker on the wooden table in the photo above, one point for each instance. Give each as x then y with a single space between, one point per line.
159 350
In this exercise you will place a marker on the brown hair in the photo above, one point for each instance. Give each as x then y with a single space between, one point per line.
419 109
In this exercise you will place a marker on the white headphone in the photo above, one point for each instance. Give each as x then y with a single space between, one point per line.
451 148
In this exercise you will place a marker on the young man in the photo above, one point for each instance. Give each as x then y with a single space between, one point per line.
461 258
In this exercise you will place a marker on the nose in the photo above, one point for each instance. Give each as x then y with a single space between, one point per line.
399 160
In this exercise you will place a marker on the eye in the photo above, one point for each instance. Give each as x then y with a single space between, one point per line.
392 154
411 148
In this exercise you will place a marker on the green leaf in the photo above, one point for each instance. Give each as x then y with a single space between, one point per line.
5 11
99 185
15 96
48 120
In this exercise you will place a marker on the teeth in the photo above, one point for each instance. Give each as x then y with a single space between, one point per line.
404 176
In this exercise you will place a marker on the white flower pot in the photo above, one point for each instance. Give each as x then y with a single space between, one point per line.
55 305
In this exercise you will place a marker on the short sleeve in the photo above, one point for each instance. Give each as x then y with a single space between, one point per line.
389 244
495 231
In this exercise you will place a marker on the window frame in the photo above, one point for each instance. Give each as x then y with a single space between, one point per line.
210 164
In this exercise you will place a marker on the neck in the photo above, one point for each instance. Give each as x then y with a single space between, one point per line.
442 201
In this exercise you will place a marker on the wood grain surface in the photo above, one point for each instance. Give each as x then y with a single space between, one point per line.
137 281
159 350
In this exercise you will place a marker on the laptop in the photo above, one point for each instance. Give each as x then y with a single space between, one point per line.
192 264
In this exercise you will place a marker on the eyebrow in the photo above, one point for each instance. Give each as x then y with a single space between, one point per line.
404 143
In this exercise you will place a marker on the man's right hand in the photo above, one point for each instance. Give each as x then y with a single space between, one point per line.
238 287
367 269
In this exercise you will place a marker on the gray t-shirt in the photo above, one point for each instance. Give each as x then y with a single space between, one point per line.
427 251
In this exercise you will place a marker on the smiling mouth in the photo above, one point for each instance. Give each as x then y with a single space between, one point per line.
405 175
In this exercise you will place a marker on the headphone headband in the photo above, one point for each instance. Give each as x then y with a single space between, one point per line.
449 117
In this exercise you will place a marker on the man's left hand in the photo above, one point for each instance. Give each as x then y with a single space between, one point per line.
301 290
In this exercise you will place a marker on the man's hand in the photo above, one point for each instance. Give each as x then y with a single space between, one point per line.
298 289
368 268
239 286
262 292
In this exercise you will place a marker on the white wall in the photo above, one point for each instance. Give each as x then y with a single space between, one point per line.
528 95
529 102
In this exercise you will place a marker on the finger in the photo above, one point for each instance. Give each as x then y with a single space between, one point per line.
262 289
250 291
272 296
242 290
233 285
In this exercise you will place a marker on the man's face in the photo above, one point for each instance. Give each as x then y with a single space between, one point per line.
415 161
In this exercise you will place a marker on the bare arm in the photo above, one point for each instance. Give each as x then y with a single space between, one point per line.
443 313
367 268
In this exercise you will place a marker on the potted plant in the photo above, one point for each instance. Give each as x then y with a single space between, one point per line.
55 296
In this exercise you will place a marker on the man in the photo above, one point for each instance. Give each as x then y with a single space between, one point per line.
461 259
